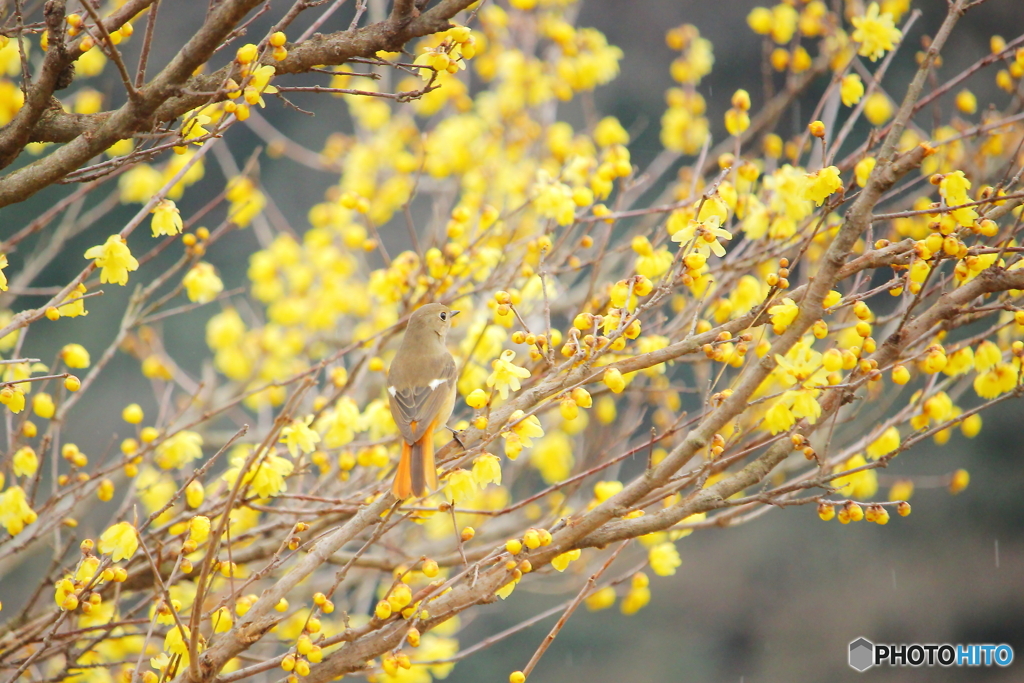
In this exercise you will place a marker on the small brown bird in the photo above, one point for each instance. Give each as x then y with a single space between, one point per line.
421 390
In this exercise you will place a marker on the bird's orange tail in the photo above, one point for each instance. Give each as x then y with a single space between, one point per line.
402 487
417 473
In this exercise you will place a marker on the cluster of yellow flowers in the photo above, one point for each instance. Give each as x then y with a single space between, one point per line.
575 308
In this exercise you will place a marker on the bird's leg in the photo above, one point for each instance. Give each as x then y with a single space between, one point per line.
455 435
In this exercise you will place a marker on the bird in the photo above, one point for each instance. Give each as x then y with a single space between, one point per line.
422 386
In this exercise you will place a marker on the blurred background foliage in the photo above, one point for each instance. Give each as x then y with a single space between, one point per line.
776 599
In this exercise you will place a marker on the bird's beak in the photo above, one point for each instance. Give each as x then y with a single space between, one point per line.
455 313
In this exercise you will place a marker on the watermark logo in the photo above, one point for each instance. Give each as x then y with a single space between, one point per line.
864 654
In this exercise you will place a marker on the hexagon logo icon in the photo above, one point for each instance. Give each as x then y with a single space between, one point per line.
862 654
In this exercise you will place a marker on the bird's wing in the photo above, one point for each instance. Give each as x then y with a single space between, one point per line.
414 407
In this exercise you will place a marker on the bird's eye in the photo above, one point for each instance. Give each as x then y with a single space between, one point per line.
444 316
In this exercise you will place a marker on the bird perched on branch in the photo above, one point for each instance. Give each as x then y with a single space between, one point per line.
421 391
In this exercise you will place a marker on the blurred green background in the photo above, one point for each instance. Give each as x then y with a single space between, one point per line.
777 599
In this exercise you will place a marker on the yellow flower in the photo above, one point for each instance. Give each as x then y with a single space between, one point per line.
704 235
953 187
25 462
601 599
194 494
13 397
610 132
460 486
266 477
139 184
3 275
603 490
42 405
613 380
178 450
821 184
876 33
779 417
561 562
75 356
166 219
176 642
339 424
553 457
15 512
193 127
638 596
246 200
862 171
783 315
487 469
805 404
114 259
63 589
987 356
506 374
298 436
887 442
664 559
998 380
202 284
851 89
861 485
966 101
199 528
119 541
554 200
878 108
75 308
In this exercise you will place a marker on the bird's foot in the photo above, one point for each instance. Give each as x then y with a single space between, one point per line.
456 434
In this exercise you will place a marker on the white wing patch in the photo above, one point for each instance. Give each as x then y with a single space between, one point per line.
392 390
435 383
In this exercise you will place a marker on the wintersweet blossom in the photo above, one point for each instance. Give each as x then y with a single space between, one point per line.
114 259
178 450
664 559
783 314
25 462
487 470
166 218
266 476
202 284
851 89
119 541
460 486
876 33
704 235
299 437
822 184
15 512
506 374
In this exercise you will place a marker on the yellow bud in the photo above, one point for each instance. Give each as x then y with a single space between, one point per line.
900 375
613 380
132 414
959 481
246 54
